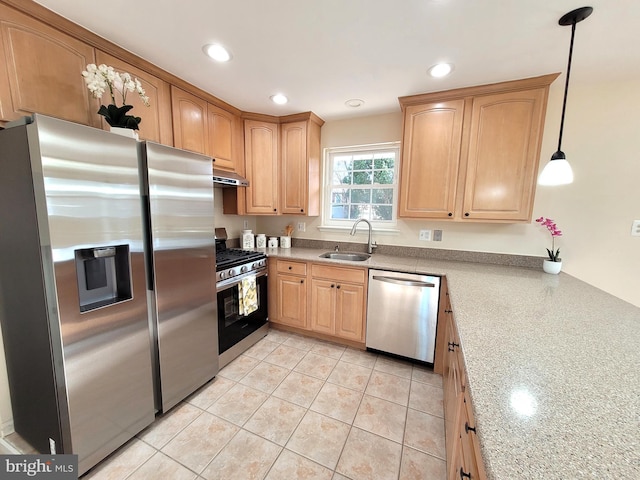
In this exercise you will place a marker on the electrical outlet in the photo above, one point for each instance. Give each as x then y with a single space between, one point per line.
425 235
635 228
245 224
302 227
437 235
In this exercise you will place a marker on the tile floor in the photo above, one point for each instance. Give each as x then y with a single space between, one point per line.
291 408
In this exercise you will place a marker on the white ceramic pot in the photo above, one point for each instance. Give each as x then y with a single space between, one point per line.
125 132
552 267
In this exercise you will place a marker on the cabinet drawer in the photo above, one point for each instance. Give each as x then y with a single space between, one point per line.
295 268
338 274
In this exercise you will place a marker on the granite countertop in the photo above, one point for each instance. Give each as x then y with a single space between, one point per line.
553 367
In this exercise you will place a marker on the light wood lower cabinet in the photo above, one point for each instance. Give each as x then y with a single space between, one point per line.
463 450
333 306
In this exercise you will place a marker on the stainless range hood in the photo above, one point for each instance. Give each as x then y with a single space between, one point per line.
222 178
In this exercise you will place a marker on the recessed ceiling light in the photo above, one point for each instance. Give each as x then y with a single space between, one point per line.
217 52
440 70
279 98
354 103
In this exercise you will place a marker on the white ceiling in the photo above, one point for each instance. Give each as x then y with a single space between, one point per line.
321 53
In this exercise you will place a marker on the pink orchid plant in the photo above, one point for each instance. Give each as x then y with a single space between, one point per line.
554 255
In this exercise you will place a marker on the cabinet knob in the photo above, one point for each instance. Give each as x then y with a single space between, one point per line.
332 285
467 428
452 346
302 210
466 214
290 267
463 474
450 214
302 281
446 311
338 286
275 209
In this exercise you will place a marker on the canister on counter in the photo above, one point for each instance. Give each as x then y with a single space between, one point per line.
261 240
285 242
247 239
273 242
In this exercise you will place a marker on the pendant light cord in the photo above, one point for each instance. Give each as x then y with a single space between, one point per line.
566 85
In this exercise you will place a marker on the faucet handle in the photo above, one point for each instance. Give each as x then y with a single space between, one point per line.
337 248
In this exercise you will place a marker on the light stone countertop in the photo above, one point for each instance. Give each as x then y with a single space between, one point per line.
553 367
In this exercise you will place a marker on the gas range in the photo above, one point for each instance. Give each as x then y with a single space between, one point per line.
234 262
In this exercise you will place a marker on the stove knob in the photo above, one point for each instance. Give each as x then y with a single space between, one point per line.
244 269
231 273
222 275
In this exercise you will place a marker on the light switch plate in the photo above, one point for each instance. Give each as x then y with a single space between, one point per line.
635 228
425 235
245 224
302 226
437 235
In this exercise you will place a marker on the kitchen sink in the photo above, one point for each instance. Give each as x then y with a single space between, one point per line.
351 256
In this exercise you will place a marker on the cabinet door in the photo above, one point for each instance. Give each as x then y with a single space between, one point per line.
221 130
430 159
291 300
350 311
40 71
505 135
190 130
323 306
156 118
261 161
294 171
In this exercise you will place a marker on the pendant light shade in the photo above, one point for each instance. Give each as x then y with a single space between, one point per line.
558 171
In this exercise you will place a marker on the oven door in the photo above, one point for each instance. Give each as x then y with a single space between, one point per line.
233 326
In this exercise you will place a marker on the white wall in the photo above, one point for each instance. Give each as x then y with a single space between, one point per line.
595 212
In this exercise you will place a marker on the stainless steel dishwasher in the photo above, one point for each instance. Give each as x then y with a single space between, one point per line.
402 314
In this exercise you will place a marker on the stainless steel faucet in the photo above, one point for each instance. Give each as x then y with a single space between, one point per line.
370 245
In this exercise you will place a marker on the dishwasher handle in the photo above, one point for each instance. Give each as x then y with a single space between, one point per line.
401 281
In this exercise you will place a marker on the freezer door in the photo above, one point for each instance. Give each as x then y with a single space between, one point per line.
180 205
87 193
402 314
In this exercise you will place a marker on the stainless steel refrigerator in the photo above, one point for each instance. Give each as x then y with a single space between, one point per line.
78 321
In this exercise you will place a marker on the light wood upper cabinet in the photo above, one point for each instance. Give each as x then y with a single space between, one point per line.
300 167
190 131
504 136
156 118
261 141
40 71
222 130
471 154
432 139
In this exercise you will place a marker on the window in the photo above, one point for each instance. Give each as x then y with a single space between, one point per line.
361 182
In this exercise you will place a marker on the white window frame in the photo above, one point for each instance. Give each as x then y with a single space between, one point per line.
385 226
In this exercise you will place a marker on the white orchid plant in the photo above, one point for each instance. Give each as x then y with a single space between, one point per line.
102 77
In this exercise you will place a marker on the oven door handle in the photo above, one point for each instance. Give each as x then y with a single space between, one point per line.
221 286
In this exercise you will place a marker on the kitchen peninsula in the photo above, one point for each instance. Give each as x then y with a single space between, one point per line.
552 366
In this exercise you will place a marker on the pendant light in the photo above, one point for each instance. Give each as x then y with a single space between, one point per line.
558 171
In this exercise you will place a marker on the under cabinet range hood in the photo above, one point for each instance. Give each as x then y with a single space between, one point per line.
222 178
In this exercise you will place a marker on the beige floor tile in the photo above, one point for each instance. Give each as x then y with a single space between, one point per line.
317 366
350 375
369 457
426 398
277 336
425 432
265 377
337 476
337 402
389 387
246 457
285 356
124 461
420 466
319 438
275 420
299 388
200 441
395 367
291 466
169 425
298 341
359 357
381 417
328 349
161 466
239 367
209 393
261 349
6 448
426 375
19 444
238 404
